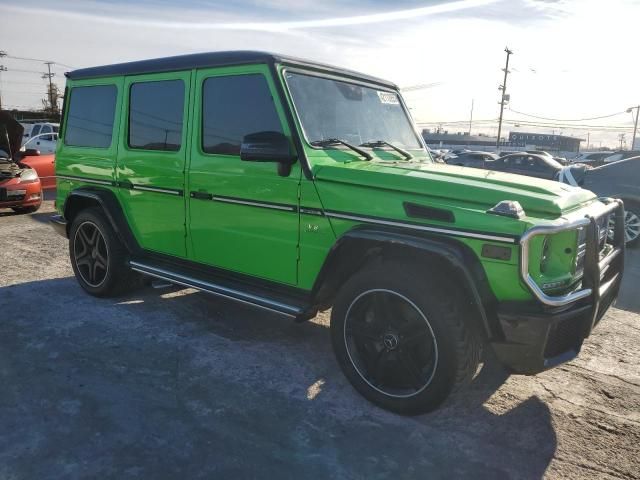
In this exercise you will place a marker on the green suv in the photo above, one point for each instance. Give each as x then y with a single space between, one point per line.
297 187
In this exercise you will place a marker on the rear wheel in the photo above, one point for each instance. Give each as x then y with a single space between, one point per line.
98 257
401 340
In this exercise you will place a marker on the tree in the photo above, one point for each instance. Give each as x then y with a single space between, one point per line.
50 102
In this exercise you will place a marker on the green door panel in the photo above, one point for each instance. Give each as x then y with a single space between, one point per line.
251 224
155 206
88 162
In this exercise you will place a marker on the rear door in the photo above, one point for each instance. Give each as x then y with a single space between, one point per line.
243 216
151 159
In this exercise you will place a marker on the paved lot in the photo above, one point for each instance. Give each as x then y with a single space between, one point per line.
178 384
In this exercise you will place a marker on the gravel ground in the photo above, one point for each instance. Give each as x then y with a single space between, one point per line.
174 383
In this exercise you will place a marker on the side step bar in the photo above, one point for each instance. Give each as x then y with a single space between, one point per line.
218 289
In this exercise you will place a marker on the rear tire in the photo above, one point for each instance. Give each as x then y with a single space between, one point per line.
409 347
98 257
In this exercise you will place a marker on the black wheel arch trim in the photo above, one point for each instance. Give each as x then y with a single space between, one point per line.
110 205
374 239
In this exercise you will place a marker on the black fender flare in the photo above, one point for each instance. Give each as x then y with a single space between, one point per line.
363 243
106 199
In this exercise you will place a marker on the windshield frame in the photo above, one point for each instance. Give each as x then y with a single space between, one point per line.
363 83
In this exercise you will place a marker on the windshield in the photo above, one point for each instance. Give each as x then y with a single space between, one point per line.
333 109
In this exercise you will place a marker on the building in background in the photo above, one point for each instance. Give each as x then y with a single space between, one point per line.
542 141
447 140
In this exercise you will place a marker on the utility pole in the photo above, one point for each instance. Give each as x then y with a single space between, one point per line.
2 69
471 117
504 97
635 128
621 137
53 104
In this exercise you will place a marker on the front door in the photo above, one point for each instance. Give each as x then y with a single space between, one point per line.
242 215
151 160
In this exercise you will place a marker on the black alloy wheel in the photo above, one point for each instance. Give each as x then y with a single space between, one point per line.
390 343
90 254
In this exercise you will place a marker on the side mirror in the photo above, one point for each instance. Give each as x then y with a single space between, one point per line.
266 147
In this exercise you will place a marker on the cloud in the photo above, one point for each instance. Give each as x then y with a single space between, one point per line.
279 26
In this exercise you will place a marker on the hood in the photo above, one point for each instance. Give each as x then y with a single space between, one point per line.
476 188
10 133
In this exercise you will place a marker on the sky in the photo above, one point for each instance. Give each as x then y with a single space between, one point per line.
573 59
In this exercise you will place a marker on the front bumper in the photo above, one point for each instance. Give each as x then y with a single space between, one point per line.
539 335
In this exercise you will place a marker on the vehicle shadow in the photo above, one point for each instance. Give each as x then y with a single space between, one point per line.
172 381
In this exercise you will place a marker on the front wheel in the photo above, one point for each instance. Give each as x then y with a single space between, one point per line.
401 339
632 224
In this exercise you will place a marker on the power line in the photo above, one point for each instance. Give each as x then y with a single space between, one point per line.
38 60
22 71
566 119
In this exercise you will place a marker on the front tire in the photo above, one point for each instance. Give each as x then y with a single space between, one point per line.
98 257
401 339
632 223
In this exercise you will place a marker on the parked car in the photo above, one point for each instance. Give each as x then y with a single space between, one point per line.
533 165
592 159
20 188
43 164
619 180
621 155
242 174
472 159
43 137
560 160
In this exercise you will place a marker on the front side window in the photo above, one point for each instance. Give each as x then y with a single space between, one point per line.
357 114
235 106
90 118
156 112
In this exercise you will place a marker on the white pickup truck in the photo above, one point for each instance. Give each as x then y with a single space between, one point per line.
41 136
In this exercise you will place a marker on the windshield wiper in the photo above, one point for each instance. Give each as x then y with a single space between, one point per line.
336 141
382 143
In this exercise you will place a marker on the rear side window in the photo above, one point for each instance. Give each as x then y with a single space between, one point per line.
90 118
235 106
156 114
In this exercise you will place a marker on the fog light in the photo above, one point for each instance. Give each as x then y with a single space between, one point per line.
34 196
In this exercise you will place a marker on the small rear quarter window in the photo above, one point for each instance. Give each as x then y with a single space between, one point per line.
91 115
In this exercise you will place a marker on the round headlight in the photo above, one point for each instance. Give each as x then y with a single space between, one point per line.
28 175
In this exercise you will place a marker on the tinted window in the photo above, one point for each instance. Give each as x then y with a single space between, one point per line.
90 117
233 107
155 115
35 130
46 129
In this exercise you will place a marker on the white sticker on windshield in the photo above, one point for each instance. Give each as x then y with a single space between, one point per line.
388 97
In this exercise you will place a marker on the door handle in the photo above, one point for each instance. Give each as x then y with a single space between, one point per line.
201 195
125 184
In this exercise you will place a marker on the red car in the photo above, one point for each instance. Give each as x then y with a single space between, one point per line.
20 187
44 165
